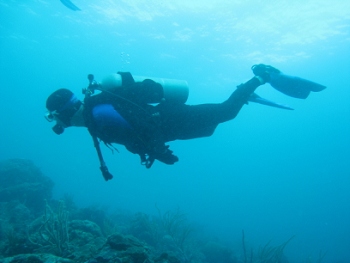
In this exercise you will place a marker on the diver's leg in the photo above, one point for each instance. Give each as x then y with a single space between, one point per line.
214 114
231 107
180 121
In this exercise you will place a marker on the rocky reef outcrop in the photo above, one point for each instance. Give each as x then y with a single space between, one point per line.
35 228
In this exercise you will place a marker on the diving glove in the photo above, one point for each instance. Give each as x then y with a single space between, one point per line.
166 156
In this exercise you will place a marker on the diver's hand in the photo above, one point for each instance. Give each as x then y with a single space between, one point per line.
166 156
106 174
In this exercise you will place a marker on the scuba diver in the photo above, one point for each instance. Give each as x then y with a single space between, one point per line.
144 114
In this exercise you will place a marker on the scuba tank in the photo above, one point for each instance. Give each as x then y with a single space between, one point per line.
173 90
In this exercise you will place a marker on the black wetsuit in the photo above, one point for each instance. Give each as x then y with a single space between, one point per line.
149 127
183 122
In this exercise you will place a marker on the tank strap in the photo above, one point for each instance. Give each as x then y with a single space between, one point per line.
127 79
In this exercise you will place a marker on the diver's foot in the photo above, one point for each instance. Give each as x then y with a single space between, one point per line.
263 71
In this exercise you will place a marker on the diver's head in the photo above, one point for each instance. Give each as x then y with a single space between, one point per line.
61 106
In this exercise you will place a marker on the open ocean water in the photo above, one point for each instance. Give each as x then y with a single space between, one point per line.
270 172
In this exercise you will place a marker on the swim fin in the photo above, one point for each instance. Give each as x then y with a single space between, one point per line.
289 85
257 99
70 5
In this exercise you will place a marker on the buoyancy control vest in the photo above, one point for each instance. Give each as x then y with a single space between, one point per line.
132 101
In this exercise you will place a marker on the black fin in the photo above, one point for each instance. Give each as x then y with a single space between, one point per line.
70 5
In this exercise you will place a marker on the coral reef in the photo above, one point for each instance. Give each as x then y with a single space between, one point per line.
22 181
50 232
36 228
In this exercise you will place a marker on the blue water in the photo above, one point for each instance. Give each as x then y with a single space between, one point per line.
272 173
